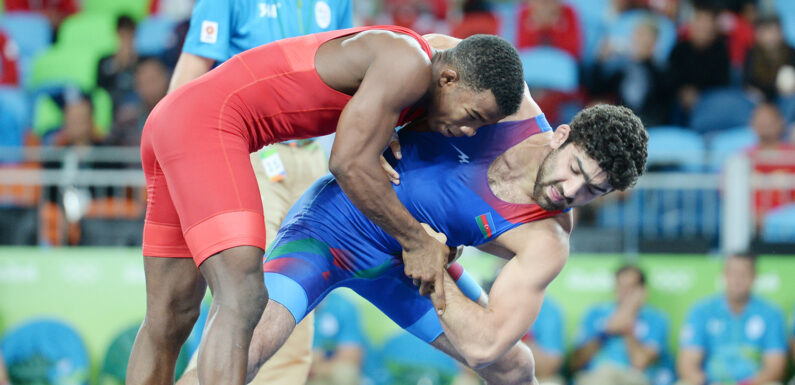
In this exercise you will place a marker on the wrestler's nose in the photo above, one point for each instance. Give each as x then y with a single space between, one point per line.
468 131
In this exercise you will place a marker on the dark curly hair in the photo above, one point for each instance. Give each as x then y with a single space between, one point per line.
615 138
488 62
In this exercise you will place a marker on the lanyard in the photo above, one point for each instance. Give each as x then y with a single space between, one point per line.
302 20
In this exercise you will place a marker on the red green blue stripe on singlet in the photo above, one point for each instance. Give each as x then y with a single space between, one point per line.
485 224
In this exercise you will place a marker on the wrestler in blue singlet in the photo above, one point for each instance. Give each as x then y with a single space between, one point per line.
326 242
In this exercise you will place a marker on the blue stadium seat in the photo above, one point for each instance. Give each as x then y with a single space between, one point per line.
550 68
786 11
592 15
593 33
31 32
591 9
726 143
678 147
507 13
779 225
14 102
14 117
721 109
412 361
152 35
622 30
787 107
45 351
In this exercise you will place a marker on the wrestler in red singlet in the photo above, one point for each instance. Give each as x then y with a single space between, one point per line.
203 196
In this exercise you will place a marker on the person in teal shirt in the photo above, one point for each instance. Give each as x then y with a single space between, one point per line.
623 342
734 337
222 29
338 344
545 339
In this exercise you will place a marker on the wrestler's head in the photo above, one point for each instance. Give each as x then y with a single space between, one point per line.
477 82
603 149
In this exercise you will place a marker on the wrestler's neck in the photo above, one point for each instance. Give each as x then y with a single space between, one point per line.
512 175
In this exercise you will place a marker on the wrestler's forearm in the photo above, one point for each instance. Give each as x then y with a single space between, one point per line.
470 327
371 192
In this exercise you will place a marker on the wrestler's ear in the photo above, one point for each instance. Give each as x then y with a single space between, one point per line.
448 76
560 136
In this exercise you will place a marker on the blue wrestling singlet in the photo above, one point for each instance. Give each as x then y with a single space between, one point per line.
326 242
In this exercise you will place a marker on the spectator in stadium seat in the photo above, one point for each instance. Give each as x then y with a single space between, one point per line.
768 124
9 56
476 19
640 83
116 73
338 343
550 23
734 337
421 16
668 8
700 61
150 85
620 342
545 339
772 154
78 127
767 57
54 10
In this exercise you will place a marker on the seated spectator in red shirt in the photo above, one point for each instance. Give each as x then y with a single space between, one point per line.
9 54
771 155
55 10
700 61
739 32
476 19
549 22
767 58
421 16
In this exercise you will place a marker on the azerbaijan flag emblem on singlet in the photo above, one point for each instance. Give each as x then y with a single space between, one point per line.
484 224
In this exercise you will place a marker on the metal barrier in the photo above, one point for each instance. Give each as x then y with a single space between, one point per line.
71 195
66 195
664 207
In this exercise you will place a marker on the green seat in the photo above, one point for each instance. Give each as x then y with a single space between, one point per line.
89 31
136 9
47 116
61 65
103 111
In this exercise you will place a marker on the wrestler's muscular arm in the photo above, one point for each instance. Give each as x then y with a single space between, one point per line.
483 335
397 76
